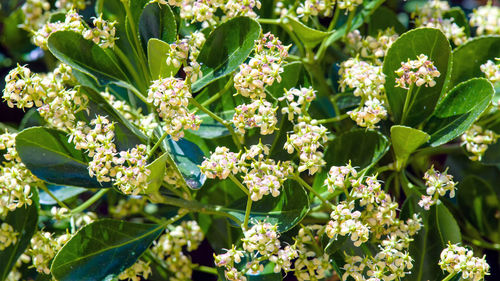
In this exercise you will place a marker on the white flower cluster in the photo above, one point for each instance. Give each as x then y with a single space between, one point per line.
71 4
263 69
310 264
348 5
16 181
126 169
367 80
419 72
346 221
476 140
486 19
259 113
7 236
184 49
169 247
128 207
431 14
371 48
308 8
56 103
44 247
103 33
308 136
437 185
171 97
491 71
263 176
457 259
339 177
136 271
205 10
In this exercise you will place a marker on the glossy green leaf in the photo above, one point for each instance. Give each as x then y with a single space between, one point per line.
479 203
157 59
136 9
405 141
60 192
458 16
309 36
103 249
157 21
468 58
84 55
210 128
439 228
382 19
459 109
157 168
286 210
225 49
24 221
127 135
362 147
51 157
187 156
432 43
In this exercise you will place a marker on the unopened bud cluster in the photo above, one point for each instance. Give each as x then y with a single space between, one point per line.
476 140
263 69
457 259
437 183
8 236
170 96
372 112
419 72
184 52
491 70
43 249
259 113
169 248
136 272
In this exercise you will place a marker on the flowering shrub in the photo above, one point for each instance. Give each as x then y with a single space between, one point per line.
252 140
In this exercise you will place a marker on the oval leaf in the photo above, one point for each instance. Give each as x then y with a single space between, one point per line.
459 109
310 37
24 221
406 140
60 192
157 59
72 49
432 43
481 49
226 48
48 155
157 21
363 148
103 249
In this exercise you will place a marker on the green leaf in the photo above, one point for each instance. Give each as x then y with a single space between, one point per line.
24 221
157 21
286 210
432 43
459 109
309 36
157 168
60 192
187 156
368 148
439 228
480 204
226 48
405 141
127 136
468 58
84 55
103 249
458 16
49 155
382 19
157 59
